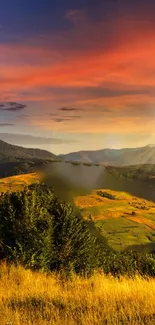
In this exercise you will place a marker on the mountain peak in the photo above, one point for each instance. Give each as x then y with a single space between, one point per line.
151 145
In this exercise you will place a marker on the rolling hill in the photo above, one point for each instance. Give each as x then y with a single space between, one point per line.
9 152
117 157
126 221
17 183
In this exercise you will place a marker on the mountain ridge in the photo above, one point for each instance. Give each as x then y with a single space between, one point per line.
121 157
13 152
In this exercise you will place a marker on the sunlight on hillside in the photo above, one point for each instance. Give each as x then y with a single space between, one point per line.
125 221
35 298
17 183
123 204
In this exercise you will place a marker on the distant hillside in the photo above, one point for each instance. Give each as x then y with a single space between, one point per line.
17 183
9 152
126 221
118 157
145 172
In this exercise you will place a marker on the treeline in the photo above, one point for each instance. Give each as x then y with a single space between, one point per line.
23 166
145 172
41 232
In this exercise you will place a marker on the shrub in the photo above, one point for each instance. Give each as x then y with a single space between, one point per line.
26 227
41 231
73 242
106 195
76 163
129 263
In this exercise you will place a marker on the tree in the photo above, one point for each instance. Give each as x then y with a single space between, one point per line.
25 228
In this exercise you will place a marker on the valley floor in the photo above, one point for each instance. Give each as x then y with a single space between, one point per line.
28 298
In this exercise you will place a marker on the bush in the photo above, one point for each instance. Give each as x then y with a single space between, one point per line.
129 263
106 195
40 231
26 227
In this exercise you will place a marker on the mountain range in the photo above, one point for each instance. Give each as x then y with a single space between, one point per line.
117 157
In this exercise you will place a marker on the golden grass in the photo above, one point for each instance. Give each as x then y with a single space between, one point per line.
28 298
123 205
17 183
94 199
144 221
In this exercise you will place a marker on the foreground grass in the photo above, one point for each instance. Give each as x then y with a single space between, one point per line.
28 298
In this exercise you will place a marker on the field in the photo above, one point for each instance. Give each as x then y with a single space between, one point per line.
125 221
17 183
28 298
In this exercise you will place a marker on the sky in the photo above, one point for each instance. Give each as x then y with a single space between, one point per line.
77 75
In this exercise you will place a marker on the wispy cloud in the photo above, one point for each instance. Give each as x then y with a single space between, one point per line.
6 124
76 16
69 109
12 107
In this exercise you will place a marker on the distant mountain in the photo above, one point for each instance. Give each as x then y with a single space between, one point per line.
117 157
9 152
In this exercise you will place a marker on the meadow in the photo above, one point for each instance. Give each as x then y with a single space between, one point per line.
28 297
126 221
17 183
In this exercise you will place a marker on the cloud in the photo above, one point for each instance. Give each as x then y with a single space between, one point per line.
6 124
12 107
23 116
25 139
76 16
69 109
58 120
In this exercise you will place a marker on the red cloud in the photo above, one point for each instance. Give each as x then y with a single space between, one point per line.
114 55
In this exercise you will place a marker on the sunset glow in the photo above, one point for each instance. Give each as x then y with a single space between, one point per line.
97 61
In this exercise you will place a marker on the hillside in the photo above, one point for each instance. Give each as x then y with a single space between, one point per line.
24 166
145 172
17 183
9 152
124 220
126 156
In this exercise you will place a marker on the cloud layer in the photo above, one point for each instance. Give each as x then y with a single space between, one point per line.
96 76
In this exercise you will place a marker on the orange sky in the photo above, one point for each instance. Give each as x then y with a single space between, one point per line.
102 71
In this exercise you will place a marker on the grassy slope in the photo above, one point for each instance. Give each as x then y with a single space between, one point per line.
17 183
125 221
35 298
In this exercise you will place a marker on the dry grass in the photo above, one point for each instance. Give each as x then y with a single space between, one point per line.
17 183
123 205
28 298
125 221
